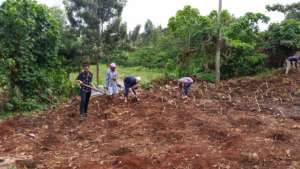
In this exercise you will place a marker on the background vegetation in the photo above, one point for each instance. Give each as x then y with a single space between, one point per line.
40 47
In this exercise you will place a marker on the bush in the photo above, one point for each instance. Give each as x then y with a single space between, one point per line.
243 66
30 66
23 105
146 56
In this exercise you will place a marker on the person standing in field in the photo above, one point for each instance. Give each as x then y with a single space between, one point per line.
184 85
131 82
85 79
111 78
291 62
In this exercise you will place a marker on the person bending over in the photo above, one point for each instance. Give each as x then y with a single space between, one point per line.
184 85
131 82
291 62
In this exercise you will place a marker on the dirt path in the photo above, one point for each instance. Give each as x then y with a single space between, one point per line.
243 123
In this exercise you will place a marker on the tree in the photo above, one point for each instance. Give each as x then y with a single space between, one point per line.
71 42
29 42
282 40
133 36
92 16
149 27
147 35
115 38
189 29
218 51
291 11
243 39
187 23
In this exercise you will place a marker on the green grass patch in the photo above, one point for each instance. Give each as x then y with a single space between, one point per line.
146 74
209 77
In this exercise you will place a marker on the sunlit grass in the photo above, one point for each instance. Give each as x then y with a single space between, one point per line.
146 74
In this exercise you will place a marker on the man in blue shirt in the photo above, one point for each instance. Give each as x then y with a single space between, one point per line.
85 79
131 82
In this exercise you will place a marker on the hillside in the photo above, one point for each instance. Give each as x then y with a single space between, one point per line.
242 123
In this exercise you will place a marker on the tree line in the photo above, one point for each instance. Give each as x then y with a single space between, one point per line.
41 46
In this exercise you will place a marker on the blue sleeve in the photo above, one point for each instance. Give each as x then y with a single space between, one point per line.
79 77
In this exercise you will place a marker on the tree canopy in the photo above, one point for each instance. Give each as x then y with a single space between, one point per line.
29 44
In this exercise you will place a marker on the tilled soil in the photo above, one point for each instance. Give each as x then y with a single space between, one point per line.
240 124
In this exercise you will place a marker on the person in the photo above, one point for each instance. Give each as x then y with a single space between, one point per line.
185 84
291 62
131 82
85 79
111 77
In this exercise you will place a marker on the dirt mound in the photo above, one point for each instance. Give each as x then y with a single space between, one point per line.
241 123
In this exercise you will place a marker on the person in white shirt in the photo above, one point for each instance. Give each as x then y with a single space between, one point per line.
111 80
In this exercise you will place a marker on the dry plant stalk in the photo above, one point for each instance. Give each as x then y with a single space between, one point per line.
98 106
230 98
267 84
259 108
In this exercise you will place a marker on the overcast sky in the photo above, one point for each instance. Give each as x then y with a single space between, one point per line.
159 11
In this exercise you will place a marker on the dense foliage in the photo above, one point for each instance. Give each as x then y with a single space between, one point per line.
283 39
188 45
30 67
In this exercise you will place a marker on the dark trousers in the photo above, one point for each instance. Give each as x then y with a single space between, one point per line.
85 98
126 90
186 88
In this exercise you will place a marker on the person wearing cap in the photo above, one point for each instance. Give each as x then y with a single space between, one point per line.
111 80
131 82
185 84
291 62
84 78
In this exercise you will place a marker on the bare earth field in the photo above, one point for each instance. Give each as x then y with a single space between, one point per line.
249 123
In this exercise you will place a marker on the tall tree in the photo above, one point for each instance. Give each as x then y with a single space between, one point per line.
218 50
149 27
188 28
135 33
115 37
148 30
282 40
243 39
92 16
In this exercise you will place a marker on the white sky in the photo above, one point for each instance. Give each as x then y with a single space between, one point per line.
159 11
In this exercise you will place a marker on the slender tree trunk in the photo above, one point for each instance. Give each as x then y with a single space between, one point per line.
189 41
218 52
98 52
97 70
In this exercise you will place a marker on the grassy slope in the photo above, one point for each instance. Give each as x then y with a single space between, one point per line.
147 74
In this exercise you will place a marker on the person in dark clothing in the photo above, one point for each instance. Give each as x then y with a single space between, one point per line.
85 78
291 62
185 84
130 82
